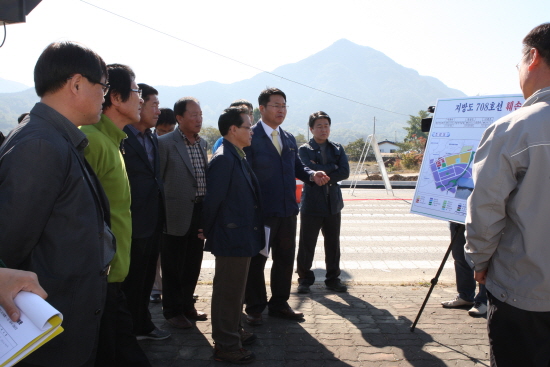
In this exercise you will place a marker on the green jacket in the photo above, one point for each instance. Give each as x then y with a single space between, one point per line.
104 156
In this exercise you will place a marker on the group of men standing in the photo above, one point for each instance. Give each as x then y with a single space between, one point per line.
83 209
250 211
87 191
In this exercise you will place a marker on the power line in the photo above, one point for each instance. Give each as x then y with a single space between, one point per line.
238 61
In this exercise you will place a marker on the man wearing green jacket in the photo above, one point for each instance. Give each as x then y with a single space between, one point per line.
117 345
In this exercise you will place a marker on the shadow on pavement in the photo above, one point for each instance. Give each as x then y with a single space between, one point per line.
379 328
186 347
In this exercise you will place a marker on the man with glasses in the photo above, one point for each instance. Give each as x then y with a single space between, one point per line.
274 159
55 215
183 162
122 106
507 227
234 233
237 103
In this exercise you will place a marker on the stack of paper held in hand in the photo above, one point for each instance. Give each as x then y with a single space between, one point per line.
39 323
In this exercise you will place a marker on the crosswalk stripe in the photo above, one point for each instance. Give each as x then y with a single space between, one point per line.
386 265
387 238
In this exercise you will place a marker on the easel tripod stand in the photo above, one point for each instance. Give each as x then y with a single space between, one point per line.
459 232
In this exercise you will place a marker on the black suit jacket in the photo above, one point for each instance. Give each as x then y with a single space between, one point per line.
52 223
146 186
231 210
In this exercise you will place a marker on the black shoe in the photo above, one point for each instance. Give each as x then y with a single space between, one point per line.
156 334
303 288
241 356
336 286
286 313
254 319
155 298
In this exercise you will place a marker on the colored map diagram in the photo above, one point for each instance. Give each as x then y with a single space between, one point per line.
448 171
445 181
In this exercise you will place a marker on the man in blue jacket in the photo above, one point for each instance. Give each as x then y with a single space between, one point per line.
234 233
321 205
273 156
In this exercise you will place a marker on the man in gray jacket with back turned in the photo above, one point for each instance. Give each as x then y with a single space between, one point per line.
507 225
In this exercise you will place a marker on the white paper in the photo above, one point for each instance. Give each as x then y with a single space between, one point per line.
14 336
265 250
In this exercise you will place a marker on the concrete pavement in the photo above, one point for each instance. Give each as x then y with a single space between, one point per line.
388 258
367 326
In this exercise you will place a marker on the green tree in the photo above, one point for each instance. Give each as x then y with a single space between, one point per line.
354 149
257 115
415 127
300 139
411 152
210 134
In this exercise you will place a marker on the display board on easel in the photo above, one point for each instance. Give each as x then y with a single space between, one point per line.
445 180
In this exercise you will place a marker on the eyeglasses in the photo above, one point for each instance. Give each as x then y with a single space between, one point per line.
105 86
517 65
278 107
138 91
244 127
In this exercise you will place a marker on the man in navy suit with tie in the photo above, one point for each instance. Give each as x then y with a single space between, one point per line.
274 159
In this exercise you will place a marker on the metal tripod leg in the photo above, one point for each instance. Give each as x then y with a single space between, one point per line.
434 281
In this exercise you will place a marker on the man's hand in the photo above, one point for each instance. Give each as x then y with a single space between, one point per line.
13 281
201 235
480 276
321 178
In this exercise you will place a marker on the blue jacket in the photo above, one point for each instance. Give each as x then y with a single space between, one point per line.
277 173
232 219
314 201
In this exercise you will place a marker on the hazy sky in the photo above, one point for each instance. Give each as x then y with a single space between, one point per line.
472 46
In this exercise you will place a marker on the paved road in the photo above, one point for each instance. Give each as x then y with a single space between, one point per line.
384 245
369 326
381 242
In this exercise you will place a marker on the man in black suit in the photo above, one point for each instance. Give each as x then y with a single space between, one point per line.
273 157
234 231
55 214
142 165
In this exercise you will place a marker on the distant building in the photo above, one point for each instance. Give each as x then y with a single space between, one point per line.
387 146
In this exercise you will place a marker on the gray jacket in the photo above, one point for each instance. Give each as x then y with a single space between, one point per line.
180 185
507 226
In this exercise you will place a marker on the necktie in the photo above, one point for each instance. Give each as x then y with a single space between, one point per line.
274 134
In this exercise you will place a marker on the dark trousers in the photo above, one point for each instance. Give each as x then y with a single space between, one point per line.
465 283
181 260
310 225
282 241
139 282
117 345
517 337
227 301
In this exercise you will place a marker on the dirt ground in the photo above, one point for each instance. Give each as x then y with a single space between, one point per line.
374 172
